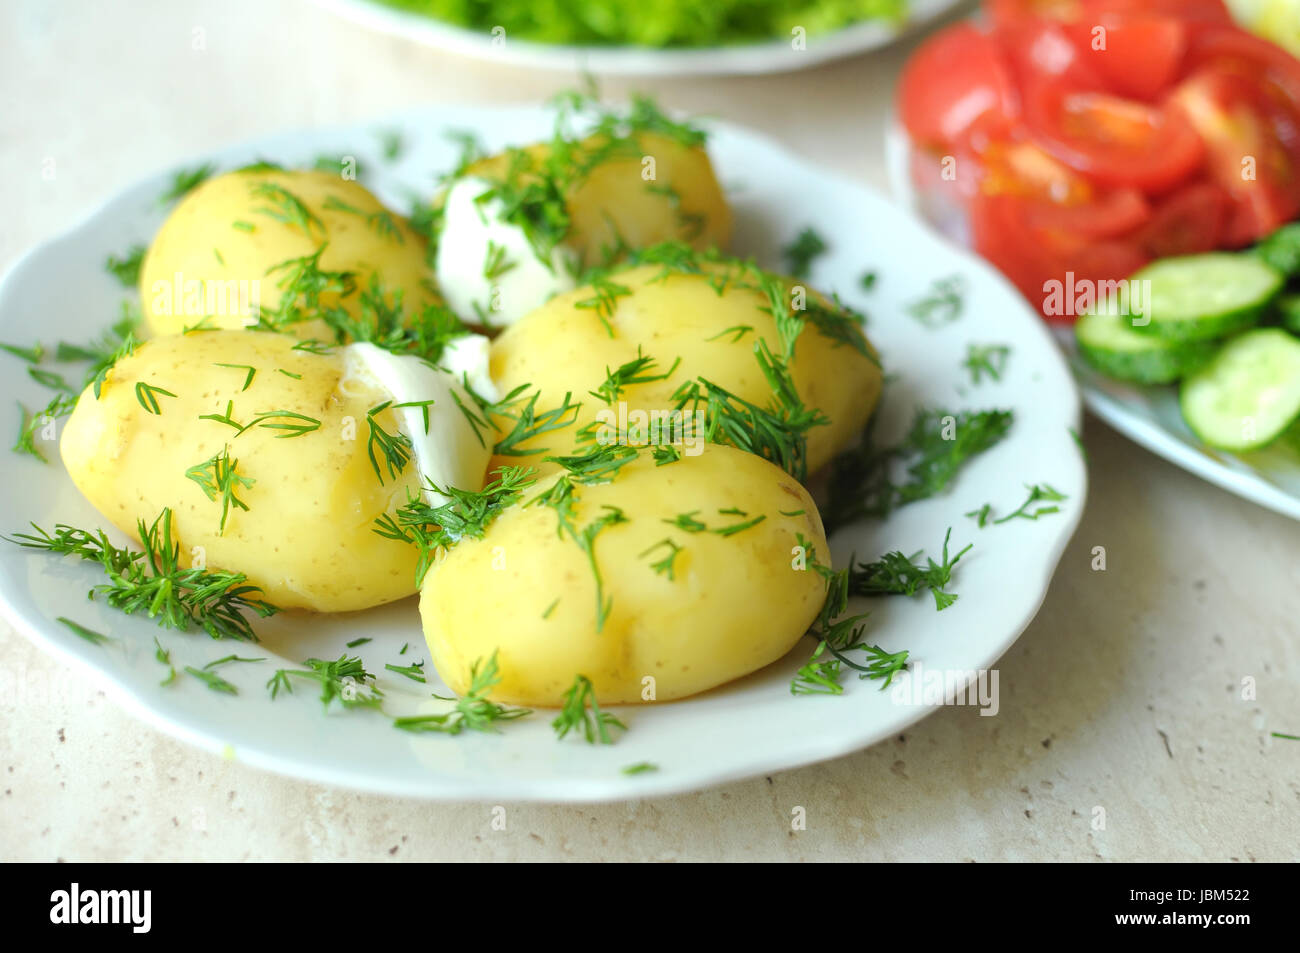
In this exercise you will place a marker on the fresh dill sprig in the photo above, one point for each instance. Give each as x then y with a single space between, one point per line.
127 268
496 264
467 514
777 433
60 406
1043 493
839 633
248 378
153 581
414 671
147 395
185 181
939 443
217 478
283 206
605 300
636 371
897 574
164 657
561 497
942 305
473 711
344 679
391 144
986 359
802 252
212 680
381 222
90 635
581 711
32 355
396 449
528 422
664 567
292 423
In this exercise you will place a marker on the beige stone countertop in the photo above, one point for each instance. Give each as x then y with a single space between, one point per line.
1124 694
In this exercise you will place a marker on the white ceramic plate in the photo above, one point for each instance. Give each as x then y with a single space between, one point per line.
751 58
60 291
1147 415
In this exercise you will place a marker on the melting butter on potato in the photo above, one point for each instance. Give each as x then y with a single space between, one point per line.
706 322
242 241
296 428
684 609
630 192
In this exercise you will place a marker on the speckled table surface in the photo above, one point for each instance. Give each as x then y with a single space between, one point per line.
1125 694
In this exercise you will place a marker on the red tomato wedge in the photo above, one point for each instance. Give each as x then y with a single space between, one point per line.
1002 12
1115 142
1135 56
1252 132
1043 51
956 89
1113 215
1187 222
1031 256
1236 51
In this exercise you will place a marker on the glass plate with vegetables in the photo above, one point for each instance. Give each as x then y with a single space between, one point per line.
680 37
469 454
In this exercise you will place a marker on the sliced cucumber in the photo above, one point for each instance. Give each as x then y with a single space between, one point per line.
1201 297
1282 249
1288 309
1248 395
1108 342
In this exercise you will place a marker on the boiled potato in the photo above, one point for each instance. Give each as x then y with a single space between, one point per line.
565 348
623 195
307 537
609 195
238 241
730 605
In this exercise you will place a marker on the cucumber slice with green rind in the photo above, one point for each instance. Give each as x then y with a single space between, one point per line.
1248 394
1108 342
1288 310
1201 297
1282 249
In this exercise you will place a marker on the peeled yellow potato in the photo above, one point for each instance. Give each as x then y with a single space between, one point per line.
307 537
731 604
647 190
238 241
564 347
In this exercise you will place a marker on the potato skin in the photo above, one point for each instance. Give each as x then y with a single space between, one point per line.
615 199
563 348
221 234
735 603
307 538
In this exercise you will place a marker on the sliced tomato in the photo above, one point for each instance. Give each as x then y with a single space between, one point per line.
1044 51
1187 222
1112 215
1252 133
1002 12
1113 141
1233 50
1032 256
1137 56
1204 11
1024 170
957 88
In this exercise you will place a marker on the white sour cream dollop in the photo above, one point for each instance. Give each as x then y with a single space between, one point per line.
448 452
470 231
